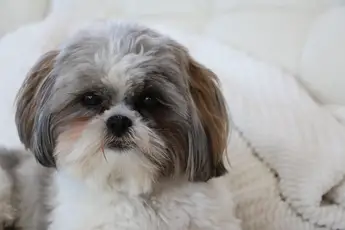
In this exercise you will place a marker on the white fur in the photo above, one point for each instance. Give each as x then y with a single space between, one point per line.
104 169
175 206
117 195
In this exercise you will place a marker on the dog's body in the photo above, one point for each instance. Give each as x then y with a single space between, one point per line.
176 205
7 211
129 132
28 184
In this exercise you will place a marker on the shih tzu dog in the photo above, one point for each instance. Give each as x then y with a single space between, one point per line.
128 130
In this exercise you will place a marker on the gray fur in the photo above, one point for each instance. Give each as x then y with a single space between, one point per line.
30 182
130 56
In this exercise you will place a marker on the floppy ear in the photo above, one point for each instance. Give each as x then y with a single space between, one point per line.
31 125
209 136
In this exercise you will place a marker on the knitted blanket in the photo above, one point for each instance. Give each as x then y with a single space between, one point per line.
287 152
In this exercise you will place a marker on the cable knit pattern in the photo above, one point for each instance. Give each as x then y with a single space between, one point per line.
290 173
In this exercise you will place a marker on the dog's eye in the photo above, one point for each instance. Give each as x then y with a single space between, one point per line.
150 101
91 99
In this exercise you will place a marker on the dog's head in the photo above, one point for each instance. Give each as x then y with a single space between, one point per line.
120 100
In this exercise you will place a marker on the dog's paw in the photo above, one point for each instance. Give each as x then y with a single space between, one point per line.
7 211
7 217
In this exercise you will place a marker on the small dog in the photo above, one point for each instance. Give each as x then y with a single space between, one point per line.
128 130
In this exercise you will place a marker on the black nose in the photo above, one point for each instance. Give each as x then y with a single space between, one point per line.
119 124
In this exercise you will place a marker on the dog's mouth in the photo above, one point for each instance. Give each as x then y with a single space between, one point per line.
120 144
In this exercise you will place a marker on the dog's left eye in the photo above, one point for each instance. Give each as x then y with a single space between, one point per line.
148 101
91 99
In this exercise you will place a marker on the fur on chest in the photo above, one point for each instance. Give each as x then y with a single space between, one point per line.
176 206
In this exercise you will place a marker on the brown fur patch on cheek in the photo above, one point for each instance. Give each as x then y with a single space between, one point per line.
175 139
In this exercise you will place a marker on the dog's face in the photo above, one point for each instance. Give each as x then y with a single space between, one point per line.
119 100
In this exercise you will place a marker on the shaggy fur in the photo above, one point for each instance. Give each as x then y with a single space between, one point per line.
131 133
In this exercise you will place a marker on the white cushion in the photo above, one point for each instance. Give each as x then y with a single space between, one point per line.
288 33
15 13
273 34
322 67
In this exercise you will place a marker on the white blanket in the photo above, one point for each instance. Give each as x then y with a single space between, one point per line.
289 172
287 153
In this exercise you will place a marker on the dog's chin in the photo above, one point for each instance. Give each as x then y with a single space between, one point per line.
120 146
116 166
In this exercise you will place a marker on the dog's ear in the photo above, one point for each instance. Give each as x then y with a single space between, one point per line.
209 136
30 100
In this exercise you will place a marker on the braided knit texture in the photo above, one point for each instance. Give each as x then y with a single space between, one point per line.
287 152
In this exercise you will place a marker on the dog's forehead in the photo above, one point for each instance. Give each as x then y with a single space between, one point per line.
117 56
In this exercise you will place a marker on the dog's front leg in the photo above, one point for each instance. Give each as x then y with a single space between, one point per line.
7 212
8 162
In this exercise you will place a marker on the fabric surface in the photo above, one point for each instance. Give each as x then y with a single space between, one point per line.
286 150
289 172
16 13
303 37
322 62
300 144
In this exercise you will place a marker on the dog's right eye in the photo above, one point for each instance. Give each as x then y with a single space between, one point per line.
91 99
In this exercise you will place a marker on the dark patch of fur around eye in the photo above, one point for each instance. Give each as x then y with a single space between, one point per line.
102 96
167 118
148 100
